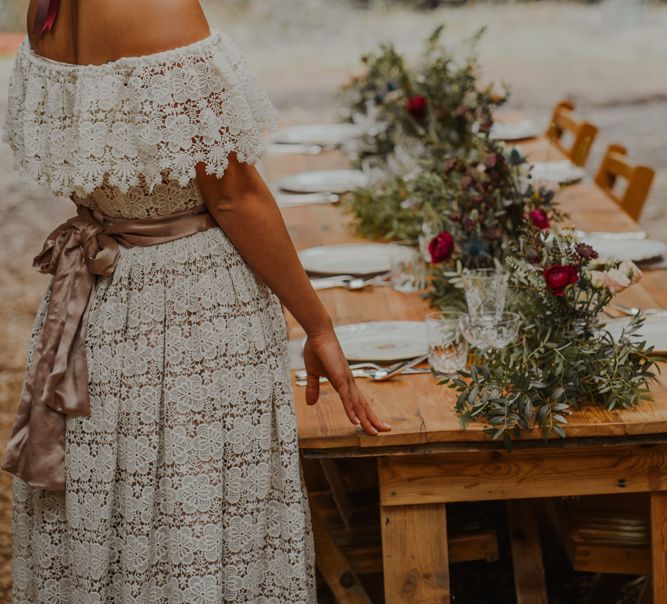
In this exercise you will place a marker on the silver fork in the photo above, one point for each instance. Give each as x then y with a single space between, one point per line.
349 282
362 373
302 374
380 374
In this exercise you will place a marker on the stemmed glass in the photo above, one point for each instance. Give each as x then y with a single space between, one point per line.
487 326
490 332
485 291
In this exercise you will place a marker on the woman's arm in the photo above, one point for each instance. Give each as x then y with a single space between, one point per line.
243 206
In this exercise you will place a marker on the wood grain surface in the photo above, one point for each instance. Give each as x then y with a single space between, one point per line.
420 411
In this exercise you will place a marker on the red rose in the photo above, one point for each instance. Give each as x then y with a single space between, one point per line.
539 218
559 276
441 247
416 107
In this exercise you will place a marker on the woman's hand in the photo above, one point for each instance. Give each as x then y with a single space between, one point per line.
324 358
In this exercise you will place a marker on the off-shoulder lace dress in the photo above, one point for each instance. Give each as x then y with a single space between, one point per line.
183 485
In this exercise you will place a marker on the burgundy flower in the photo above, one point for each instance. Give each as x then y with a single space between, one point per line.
559 276
539 218
416 107
441 247
586 251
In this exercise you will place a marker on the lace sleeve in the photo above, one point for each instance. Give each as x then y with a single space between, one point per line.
73 127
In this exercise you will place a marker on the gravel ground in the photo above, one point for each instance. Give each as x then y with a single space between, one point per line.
609 58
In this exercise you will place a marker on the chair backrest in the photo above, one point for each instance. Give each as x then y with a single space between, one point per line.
636 178
582 134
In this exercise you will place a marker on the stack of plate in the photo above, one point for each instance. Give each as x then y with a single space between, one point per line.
325 181
653 331
562 172
377 341
322 135
350 258
514 131
615 246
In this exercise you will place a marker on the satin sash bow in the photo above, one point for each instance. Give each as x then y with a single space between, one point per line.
47 11
56 384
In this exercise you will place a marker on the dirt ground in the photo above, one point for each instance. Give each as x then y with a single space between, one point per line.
609 58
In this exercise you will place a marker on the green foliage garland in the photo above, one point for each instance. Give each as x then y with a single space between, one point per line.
564 357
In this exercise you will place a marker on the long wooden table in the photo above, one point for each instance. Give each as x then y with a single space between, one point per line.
428 460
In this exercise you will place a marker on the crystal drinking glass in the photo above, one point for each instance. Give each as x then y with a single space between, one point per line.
489 331
408 270
485 291
447 348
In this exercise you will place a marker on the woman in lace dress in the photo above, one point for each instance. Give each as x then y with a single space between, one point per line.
155 447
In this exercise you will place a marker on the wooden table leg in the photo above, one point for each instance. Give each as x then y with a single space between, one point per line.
334 567
529 581
414 551
659 545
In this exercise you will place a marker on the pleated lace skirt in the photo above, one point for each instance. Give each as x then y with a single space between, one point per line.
183 486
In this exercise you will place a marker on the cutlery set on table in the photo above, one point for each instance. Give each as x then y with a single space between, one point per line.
375 372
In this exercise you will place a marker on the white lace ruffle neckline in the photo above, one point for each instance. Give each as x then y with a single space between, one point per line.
143 119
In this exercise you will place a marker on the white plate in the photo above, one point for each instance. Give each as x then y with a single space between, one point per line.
280 149
633 249
514 131
562 171
293 200
350 258
383 341
326 135
325 181
653 331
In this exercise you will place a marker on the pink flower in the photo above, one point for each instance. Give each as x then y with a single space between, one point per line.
441 247
631 270
539 218
616 280
416 107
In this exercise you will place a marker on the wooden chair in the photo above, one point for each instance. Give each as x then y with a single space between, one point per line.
637 180
345 514
564 124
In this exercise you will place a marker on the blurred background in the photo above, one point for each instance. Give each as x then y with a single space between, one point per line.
609 57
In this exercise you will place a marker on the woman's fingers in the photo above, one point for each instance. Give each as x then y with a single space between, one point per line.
312 388
356 406
381 425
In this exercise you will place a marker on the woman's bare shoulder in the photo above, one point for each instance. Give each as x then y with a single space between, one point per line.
123 28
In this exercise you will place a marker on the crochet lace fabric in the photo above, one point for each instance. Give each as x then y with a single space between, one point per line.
137 120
